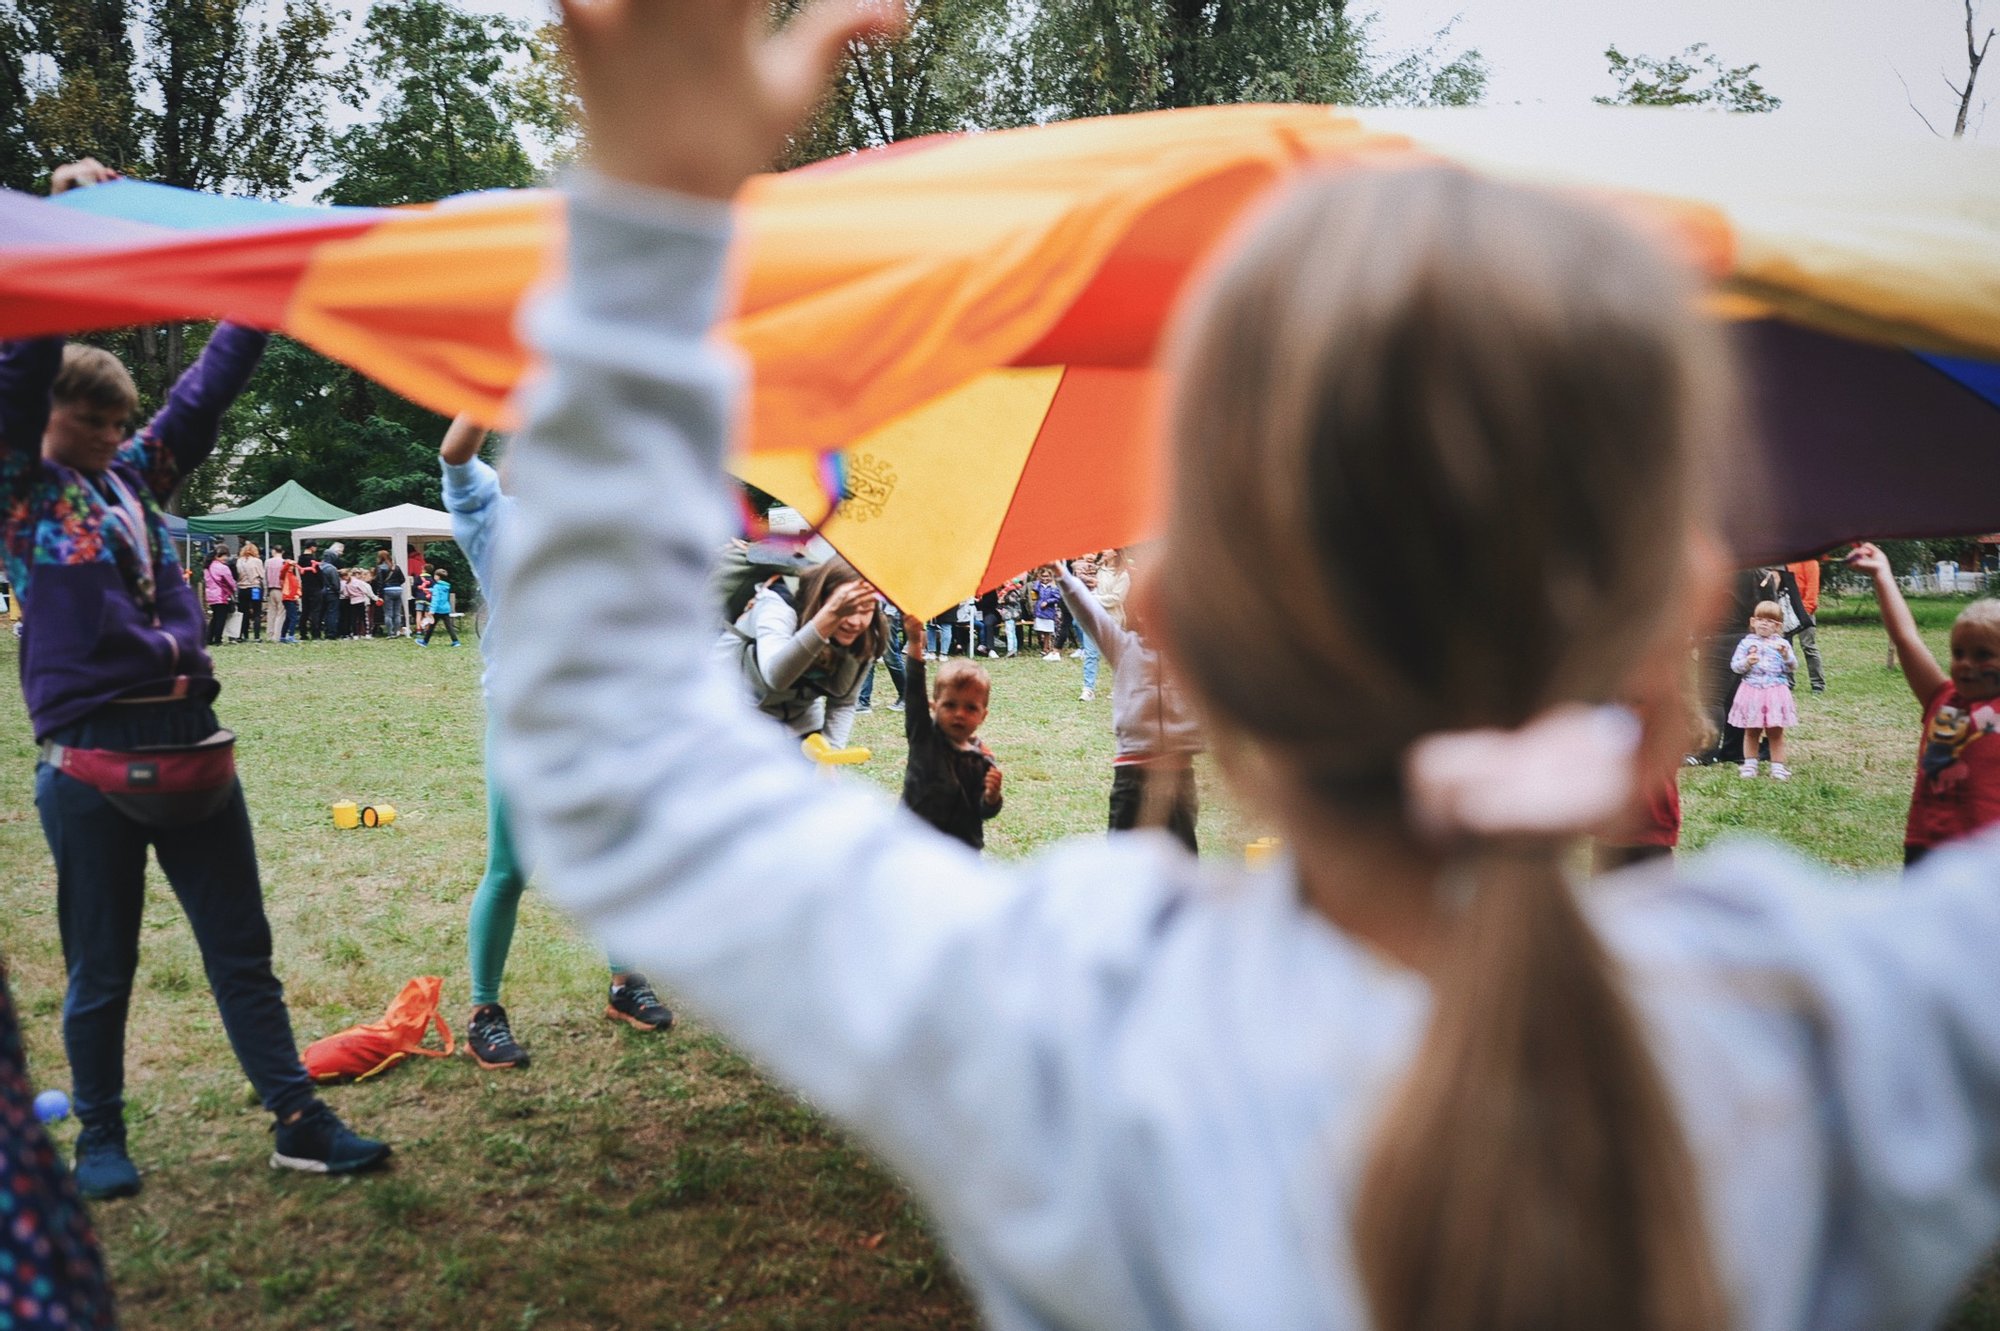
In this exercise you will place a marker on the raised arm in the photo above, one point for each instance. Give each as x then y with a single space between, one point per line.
916 696
472 495
27 371
1920 669
1083 603
786 648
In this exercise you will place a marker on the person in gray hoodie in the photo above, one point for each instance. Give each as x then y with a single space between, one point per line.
1153 771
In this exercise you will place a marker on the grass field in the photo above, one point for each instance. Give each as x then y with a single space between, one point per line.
623 1180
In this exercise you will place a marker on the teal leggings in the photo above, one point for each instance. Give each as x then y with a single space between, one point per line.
490 931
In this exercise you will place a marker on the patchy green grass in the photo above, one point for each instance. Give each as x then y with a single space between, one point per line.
624 1180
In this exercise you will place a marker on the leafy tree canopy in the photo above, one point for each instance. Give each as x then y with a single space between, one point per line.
447 124
211 98
1695 77
1104 57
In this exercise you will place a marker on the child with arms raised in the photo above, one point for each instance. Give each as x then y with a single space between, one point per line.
951 780
120 691
1157 732
1407 1075
1958 760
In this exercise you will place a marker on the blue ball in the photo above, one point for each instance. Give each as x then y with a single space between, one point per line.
51 1105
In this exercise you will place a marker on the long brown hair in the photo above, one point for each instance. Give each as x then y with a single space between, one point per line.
818 584
1442 438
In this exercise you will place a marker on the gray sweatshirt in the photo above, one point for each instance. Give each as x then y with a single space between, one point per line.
1151 718
1135 1089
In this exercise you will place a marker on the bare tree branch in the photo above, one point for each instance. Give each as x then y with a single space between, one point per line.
1975 55
1913 101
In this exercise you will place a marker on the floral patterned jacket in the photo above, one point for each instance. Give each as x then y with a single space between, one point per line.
107 612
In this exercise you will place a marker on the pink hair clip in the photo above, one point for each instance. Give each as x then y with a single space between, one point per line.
1566 771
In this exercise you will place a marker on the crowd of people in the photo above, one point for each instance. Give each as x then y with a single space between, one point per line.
1405 1074
253 598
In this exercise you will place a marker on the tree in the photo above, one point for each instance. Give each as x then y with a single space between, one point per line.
346 439
1975 56
1695 77
447 124
945 74
212 99
20 167
544 98
1101 57
243 106
91 110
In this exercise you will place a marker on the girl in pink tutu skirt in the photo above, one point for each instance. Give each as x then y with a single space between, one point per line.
1764 698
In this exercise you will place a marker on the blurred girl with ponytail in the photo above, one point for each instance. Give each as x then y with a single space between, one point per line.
1409 1077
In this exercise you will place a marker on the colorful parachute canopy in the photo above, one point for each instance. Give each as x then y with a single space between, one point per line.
973 321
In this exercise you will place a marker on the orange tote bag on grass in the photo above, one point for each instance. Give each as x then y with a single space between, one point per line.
360 1052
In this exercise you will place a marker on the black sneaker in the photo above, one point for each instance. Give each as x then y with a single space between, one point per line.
634 1003
490 1042
317 1142
102 1169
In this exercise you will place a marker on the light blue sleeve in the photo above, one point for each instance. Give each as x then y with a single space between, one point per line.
1893 982
904 985
478 510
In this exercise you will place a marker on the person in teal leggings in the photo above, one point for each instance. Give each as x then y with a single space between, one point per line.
478 510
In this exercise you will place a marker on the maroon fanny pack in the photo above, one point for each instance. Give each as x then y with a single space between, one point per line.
169 786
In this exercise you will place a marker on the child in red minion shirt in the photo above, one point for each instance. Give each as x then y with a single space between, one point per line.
1958 766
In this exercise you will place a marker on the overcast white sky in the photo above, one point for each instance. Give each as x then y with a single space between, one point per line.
1828 59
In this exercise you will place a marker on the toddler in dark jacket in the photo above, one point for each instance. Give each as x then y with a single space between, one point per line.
951 780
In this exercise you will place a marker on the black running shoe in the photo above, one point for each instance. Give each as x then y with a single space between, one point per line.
634 1003
489 1040
317 1142
102 1168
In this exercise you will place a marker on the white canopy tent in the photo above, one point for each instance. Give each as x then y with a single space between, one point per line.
398 525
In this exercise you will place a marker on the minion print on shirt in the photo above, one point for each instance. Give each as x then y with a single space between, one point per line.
1946 738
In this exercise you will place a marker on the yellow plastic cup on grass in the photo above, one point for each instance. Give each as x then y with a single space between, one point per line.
346 814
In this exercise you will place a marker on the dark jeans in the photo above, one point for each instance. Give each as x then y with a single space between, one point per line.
897 641
100 857
291 620
253 615
218 620
443 621
315 613
1132 798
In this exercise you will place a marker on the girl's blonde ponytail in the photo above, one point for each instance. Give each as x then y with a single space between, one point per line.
1532 1175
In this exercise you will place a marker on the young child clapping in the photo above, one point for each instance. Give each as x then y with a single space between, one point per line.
951 780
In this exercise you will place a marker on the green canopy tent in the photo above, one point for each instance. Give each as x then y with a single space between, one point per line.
285 509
